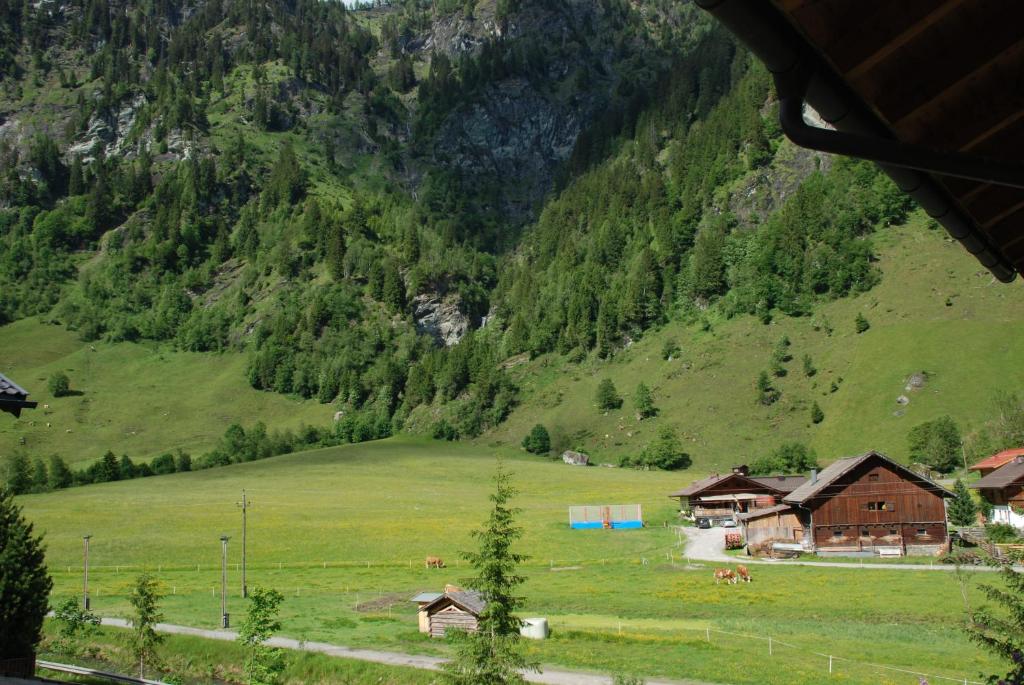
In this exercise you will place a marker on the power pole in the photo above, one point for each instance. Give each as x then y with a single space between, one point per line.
224 622
244 504
85 574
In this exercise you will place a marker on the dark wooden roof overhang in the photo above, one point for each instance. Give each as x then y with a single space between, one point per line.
931 90
13 397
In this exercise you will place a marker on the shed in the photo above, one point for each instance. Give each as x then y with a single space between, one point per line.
423 599
575 458
454 611
779 522
13 397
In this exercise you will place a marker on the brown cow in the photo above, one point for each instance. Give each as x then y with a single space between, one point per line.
724 574
434 562
743 573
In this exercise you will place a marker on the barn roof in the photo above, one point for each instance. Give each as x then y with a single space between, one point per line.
780 484
13 397
1003 476
758 513
839 468
926 88
468 600
425 597
998 459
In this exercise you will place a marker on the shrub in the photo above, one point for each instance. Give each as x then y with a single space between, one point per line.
538 441
861 323
670 349
1001 533
60 384
809 369
766 392
442 430
644 402
936 444
790 457
817 415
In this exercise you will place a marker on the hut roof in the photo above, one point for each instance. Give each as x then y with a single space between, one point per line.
13 397
1003 476
758 513
785 484
778 484
839 468
998 459
467 600
426 597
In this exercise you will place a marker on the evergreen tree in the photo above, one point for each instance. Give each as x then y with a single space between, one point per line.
963 510
108 468
19 474
263 664
1000 629
40 477
24 583
607 396
788 458
766 392
538 441
817 415
60 384
809 369
861 323
182 461
643 402
143 639
494 654
60 475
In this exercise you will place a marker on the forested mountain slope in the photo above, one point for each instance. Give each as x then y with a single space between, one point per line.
374 214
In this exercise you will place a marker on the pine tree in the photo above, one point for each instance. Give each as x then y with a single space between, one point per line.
494 654
40 477
861 323
963 510
809 369
24 583
607 396
817 415
643 402
1001 630
60 475
143 640
19 474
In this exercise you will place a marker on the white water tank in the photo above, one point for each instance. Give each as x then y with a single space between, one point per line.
534 628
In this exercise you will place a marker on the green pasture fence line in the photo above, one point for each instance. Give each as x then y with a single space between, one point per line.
644 558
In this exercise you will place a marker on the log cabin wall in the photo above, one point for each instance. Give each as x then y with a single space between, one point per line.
876 505
451 617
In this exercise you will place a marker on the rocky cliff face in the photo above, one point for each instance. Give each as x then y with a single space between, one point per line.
440 317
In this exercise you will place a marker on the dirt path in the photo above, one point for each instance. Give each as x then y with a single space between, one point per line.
550 676
708 545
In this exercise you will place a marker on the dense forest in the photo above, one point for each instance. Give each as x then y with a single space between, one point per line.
280 178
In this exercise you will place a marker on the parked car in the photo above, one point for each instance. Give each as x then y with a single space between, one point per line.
703 522
728 523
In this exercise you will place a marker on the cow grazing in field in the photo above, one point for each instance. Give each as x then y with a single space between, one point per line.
743 573
725 574
434 562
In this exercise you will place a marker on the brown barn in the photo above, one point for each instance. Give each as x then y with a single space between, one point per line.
871 503
1004 489
779 523
454 611
722 497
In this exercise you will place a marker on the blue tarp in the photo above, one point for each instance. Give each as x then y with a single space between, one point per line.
591 525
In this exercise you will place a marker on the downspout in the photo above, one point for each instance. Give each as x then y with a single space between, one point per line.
802 77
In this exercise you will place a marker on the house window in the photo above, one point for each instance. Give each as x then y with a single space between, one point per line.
922 532
872 476
881 506
865 533
837 533
893 531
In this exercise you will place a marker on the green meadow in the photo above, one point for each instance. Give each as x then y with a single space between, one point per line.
935 312
342 532
139 399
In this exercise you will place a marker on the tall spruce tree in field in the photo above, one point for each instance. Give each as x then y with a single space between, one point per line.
643 402
24 583
1001 629
494 655
607 396
963 511
143 640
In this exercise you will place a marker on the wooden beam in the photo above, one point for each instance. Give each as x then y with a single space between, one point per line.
1007 121
916 28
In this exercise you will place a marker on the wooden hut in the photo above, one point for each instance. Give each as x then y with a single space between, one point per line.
13 397
454 611
871 504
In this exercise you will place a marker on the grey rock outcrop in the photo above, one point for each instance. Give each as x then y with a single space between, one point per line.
440 316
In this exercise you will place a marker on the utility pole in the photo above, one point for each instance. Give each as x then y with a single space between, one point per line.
85 574
224 622
244 504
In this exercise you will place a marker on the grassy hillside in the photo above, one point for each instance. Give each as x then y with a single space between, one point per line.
936 311
139 399
619 601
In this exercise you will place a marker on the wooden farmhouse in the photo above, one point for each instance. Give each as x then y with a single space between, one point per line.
998 460
723 497
454 611
871 504
1004 489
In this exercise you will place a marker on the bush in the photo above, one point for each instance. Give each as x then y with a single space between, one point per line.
766 392
936 444
643 402
1001 533
664 452
60 384
538 441
817 415
443 430
790 457
861 323
670 349
607 396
